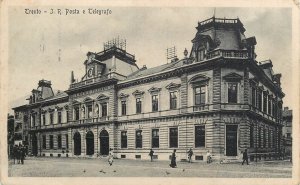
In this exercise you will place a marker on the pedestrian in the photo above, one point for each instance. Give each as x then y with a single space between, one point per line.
18 154
190 154
15 151
173 160
151 154
245 157
208 157
111 157
22 154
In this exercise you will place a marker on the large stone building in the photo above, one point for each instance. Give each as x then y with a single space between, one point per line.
217 98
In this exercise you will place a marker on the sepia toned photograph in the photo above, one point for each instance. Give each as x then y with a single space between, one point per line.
169 92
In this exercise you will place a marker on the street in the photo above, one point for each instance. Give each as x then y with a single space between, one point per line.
85 167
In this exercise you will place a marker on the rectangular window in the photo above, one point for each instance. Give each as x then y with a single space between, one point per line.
67 141
253 97
90 111
173 137
155 138
124 139
232 92
173 100
51 142
200 54
264 138
67 116
269 138
200 136
104 109
51 118
58 117
251 136
259 137
59 141
138 105
269 105
259 100
44 119
123 103
33 120
76 111
138 139
154 103
265 101
200 95
44 142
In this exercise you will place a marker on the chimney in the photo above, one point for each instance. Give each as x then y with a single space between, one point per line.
72 77
286 108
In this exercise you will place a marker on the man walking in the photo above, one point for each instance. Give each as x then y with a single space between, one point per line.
190 154
151 154
22 154
245 157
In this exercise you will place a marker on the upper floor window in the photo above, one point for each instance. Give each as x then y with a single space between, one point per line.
33 120
76 112
259 100
124 139
123 107
253 97
138 139
44 119
155 138
97 110
51 118
104 109
173 100
200 93
58 117
67 115
200 54
270 105
173 137
90 111
265 102
138 105
232 92
154 103
83 112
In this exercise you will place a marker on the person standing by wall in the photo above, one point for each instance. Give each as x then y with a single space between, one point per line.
190 154
151 154
111 157
173 160
245 157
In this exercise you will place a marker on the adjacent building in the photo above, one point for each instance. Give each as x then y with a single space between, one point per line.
287 130
217 98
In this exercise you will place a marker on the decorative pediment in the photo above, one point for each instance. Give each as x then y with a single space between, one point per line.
75 102
233 77
154 90
138 93
58 108
87 99
199 79
172 86
102 97
123 95
254 81
261 87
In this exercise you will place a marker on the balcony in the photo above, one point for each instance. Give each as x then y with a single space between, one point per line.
232 54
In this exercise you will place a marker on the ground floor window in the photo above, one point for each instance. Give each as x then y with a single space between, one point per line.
138 139
51 142
251 136
200 136
67 141
173 137
59 141
44 142
155 138
124 139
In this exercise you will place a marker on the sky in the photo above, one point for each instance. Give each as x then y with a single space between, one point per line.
51 46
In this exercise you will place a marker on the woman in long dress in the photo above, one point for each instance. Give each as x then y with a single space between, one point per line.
111 157
173 160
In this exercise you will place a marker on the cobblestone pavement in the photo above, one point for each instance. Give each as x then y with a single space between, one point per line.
73 167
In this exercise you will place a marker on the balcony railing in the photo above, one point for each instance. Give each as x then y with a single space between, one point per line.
238 54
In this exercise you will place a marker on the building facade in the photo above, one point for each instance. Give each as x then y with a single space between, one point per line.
217 98
287 130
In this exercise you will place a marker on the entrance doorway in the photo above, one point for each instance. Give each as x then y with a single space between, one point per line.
34 145
89 143
231 140
104 142
77 143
